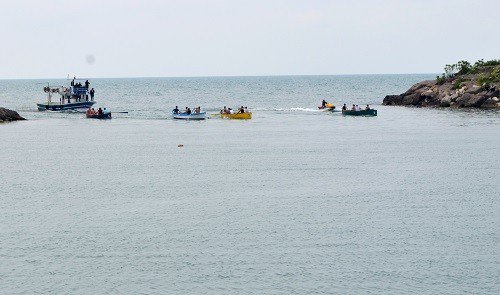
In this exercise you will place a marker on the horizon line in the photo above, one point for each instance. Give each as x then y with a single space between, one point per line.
220 76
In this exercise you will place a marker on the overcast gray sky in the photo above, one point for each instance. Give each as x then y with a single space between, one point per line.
153 38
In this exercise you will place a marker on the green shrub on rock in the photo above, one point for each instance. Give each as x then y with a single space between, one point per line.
440 79
457 84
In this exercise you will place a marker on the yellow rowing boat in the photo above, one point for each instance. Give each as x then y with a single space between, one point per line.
244 116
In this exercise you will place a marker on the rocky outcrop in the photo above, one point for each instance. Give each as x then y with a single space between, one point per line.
460 91
7 115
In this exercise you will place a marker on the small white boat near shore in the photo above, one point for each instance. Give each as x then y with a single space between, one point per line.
192 116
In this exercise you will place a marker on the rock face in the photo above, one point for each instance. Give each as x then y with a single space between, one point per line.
7 115
460 92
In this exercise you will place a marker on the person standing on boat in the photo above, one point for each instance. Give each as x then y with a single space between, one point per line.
92 94
73 81
87 83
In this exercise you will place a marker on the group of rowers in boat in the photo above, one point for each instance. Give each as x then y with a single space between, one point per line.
187 111
355 107
93 112
241 110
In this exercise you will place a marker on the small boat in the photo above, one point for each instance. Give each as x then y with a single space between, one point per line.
365 113
103 116
70 98
328 106
192 116
238 116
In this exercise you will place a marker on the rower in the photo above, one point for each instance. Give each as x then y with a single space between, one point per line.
99 111
176 110
188 111
367 107
344 108
323 103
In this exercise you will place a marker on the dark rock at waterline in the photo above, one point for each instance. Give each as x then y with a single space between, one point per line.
393 100
7 115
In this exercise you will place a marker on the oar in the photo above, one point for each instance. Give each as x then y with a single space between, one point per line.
120 112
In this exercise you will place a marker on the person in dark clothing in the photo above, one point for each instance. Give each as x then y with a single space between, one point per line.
176 110
188 111
87 83
73 81
323 103
344 108
92 94
99 111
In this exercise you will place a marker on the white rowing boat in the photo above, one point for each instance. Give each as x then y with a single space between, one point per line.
192 116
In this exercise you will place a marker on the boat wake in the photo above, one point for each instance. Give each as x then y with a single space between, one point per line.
294 109
305 110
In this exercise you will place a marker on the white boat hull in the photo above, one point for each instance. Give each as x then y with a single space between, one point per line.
192 116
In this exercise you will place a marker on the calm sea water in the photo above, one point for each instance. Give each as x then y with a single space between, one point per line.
294 201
